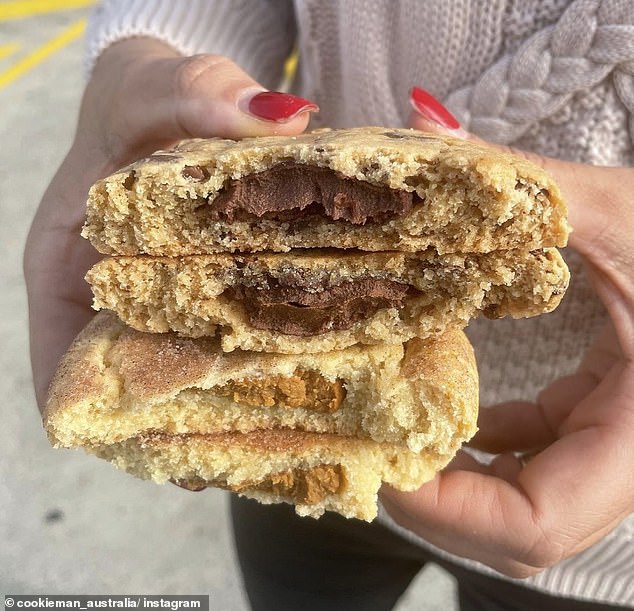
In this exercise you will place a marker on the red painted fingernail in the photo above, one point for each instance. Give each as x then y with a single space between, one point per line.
278 106
429 107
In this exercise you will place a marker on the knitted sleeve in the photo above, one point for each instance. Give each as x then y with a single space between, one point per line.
256 34
593 40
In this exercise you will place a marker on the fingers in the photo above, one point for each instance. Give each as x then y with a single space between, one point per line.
520 519
51 333
518 426
519 516
602 355
472 514
59 307
429 115
214 97
515 426
506 466
158 97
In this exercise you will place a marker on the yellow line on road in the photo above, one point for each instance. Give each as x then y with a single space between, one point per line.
17 9
290 65
10 49
72 32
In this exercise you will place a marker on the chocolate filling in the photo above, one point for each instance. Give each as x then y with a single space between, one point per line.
293 310
290 191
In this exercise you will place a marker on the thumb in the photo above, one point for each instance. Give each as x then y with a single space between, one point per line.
429 115
215 97
144 96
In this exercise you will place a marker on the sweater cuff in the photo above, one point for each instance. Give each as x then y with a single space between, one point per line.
257 35
113 21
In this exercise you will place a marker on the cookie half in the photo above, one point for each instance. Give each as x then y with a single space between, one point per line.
317 301
168 407
115 383
370 188
314 472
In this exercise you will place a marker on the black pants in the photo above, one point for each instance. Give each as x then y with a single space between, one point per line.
336 564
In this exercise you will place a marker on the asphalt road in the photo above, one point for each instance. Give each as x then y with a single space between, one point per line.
70 523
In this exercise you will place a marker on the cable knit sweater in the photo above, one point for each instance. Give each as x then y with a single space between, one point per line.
552 76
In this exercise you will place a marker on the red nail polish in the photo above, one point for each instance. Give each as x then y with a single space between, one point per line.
429 107
278 106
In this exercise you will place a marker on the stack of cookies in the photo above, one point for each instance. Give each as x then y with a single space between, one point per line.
282 316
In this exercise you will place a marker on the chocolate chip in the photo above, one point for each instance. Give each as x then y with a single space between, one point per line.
416 182
195 484
493 311
163 157
394 135
195 172
129 181
412 136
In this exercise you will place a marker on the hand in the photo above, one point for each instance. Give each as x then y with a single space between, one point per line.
522 516
142 96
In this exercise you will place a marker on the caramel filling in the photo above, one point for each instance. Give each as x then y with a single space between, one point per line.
310 486
304 389
291 191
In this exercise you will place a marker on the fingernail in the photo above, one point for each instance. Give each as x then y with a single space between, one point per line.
425 104
279 107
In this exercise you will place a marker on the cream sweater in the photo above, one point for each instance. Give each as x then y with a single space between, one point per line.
552 76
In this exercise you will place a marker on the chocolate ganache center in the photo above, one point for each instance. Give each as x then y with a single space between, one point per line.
293 310
291 191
